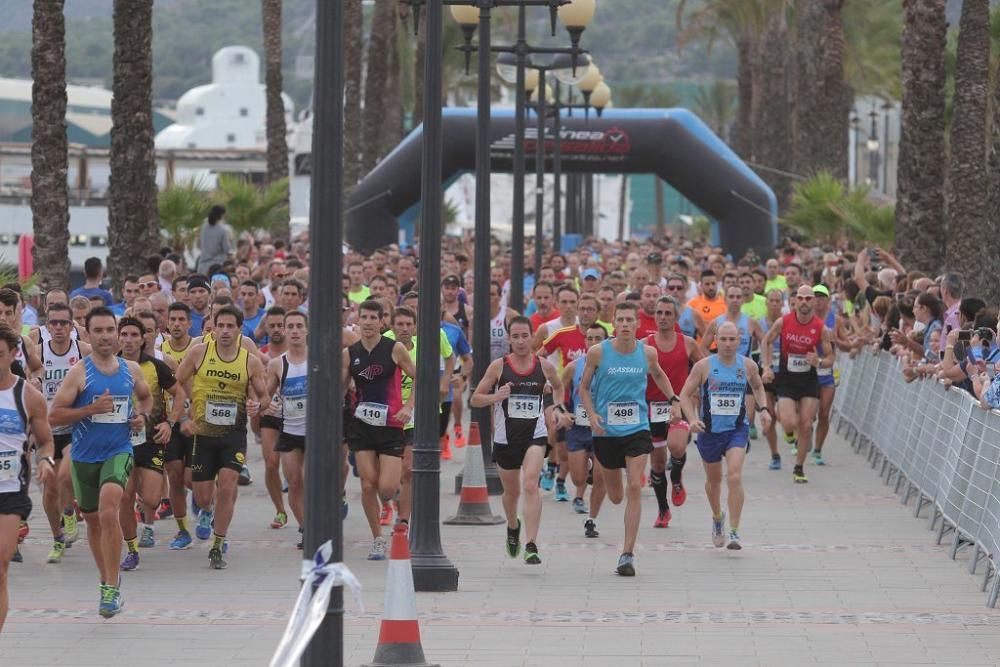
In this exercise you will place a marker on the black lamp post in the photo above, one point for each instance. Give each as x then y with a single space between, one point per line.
855 133
324 428
886 108
873 146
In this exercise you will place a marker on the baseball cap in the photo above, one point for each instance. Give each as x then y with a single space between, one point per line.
591 273
220 277
451 281
821 289
654 258
198 281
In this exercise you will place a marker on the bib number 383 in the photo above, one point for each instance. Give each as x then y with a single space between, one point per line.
623 414
220 414
726 405
373 414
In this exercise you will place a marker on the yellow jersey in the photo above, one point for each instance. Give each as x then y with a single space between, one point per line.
219 392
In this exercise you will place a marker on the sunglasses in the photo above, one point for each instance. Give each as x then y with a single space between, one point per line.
150 284
804 298
675 288
60 323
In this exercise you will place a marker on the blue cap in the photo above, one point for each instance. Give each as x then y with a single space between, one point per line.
221 277
591 273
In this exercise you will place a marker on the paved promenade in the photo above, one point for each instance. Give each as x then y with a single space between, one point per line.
833 572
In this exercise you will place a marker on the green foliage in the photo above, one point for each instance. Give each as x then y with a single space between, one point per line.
716 105
824 210
249 207
183 207
872 62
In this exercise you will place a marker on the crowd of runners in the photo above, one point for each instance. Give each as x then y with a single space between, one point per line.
134 416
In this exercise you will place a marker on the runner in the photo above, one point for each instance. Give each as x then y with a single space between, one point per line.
691 323
225 382
287 378
775 304
105 398
454 307
749 328
648 297
500 319
146 477
177 454
580 439
22 409
450 288
719 385
670 433
270 428
543 298
826 376
619 419
58 355
26 362
708 303
796 382
374 432
515 385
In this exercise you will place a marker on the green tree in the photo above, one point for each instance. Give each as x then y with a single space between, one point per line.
277 144
183 208
250 208
716 104
824 210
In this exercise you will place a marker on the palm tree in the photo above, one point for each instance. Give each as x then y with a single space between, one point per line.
967 177
397 79
771 112
353 49
183 208
133 229
920 228
716 104
49 191
823 102
250 208
277 144
381 46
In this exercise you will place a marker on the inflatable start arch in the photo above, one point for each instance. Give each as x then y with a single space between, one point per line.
672 143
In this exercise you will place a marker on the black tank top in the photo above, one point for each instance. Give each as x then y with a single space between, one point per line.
519 418
462 318
376 377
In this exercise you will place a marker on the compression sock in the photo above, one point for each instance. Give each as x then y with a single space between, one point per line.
217 541
182 523
133 544
659 483
676 468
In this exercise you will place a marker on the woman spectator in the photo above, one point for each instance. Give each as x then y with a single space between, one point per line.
928 311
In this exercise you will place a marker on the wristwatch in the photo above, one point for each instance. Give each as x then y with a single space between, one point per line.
51 461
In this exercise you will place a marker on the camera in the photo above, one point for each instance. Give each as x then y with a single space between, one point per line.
985 334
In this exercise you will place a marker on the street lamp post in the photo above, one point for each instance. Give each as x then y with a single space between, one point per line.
886 108
855 132
324 428
872 146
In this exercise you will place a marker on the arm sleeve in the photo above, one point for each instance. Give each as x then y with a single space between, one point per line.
164 376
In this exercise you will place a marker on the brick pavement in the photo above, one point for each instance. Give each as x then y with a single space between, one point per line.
834 572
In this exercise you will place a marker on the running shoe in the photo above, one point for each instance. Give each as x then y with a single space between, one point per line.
561 494
17 557
182 540
789 437
215 560
753 431
204 528
165 510
590 528
111 601
279 520
734 541
718 530
385 518
626 565
799 475
818 458
514 540
245 478
548 479
775 463
343 507
445 449
531 556
58 549
378 549
662 519
459 438
579 507
22 531
130 562
678 494
195 510
147 540
71 529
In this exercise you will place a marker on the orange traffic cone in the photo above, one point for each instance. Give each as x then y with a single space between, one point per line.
474 507
399 635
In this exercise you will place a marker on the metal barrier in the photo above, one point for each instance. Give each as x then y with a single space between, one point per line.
939 447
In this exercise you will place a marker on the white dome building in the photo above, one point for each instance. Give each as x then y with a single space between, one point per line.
230 112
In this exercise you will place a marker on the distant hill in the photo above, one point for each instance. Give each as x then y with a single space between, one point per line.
633 40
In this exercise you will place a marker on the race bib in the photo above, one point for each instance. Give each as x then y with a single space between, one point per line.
824 372
797 363
118 414
623 414
521 406
374 414
137 438
10 465
295 407
659 412
726 405
580 416
221 414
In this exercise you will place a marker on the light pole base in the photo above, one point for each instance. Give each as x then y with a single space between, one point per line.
433 574
493 485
